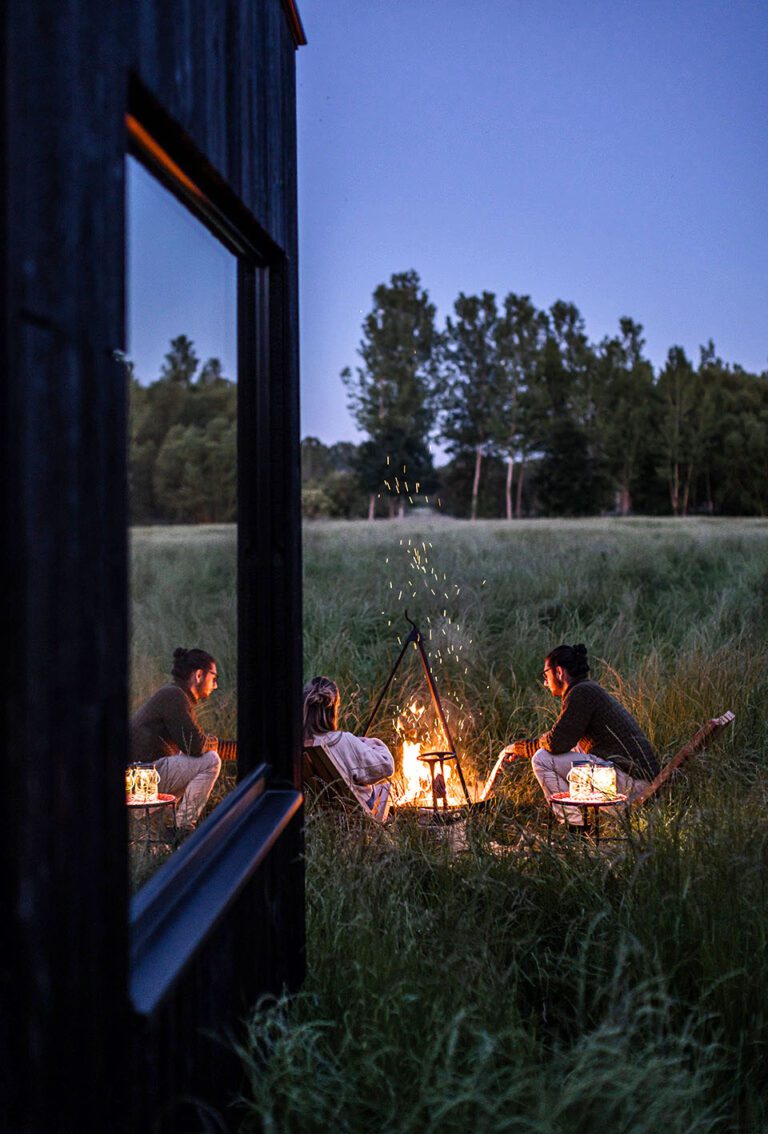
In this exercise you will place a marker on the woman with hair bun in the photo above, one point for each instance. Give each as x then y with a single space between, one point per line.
591 722
361 761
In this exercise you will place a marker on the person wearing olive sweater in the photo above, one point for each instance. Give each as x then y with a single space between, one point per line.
591 723
165 733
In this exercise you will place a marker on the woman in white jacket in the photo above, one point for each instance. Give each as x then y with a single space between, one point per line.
361 761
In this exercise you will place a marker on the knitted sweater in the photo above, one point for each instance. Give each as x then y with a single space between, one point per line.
166 724
596 721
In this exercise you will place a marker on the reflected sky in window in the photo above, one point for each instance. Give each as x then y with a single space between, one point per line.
181 281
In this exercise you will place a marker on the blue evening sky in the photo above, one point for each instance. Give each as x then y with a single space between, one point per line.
181 281
613 154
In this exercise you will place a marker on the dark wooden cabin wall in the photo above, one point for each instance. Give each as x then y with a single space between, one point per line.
64 556
224 71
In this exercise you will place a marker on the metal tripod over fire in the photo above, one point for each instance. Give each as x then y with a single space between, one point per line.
432 759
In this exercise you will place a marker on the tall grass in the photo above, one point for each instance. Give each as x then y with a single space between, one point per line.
548 991
514 985
672 613
501 983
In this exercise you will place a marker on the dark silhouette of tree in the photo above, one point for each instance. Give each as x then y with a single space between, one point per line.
181 362
182 442
568 481
678 391
211 373
392 394
520 334
474 398
627 409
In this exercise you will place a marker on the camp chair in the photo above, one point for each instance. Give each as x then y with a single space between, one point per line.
323 781
700 740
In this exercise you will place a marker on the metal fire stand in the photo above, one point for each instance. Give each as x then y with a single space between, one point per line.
416 638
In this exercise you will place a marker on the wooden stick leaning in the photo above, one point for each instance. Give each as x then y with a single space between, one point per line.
699 741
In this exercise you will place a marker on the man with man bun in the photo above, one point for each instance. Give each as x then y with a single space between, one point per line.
591 722
165 733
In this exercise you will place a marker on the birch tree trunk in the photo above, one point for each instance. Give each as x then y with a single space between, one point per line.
476 481
687 489
674 490
510 478
519 494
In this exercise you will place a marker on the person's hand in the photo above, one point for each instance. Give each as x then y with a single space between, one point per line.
513 750
211 743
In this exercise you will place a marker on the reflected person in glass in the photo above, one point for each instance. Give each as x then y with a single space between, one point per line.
165 732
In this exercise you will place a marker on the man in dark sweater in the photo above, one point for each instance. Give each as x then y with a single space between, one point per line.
165 733
591 723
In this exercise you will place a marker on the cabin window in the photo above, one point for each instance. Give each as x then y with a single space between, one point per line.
181 362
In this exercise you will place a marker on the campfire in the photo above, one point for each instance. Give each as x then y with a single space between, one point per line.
430 774
431 777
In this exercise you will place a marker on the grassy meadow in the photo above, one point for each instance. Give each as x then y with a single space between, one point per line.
510 985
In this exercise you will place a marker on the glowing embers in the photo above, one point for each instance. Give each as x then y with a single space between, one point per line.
591 783
141 784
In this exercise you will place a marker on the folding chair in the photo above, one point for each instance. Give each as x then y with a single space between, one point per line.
323 780
698 742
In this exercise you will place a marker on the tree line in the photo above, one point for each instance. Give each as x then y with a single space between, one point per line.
182 457
539 420
536 420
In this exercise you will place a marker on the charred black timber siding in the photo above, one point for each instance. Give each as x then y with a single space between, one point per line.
213 80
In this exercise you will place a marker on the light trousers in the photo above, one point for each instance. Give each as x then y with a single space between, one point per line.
552 773
191 780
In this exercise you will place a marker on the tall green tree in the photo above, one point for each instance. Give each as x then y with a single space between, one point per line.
195 474
626 400
678 390
315 461
475 390
392 394
569 483
520 333
169 413
581 393
211 373
180 363
739 464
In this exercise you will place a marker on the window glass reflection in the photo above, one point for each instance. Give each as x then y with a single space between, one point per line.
182 332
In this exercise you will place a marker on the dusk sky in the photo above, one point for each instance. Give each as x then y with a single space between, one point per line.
613 154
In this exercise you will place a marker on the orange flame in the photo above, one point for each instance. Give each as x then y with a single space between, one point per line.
415 779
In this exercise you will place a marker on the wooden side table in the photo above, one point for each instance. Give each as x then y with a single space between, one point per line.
619 803
152 809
